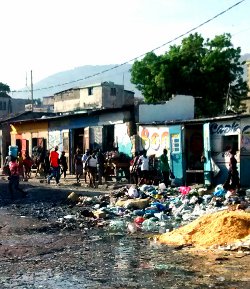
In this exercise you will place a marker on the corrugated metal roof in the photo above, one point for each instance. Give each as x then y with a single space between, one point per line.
76 114
196 120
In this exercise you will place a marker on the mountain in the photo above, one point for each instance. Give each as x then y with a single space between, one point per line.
81 76
87 75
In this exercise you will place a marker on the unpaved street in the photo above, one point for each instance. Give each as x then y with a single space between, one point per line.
38 251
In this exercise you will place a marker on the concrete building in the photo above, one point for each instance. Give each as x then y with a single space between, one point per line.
97 96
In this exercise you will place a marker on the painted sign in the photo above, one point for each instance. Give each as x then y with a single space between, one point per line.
154 139
225 128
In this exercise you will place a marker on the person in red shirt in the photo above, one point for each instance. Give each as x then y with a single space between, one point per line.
55 168
27 163
14 178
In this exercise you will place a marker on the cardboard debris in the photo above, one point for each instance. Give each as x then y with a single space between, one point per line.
73 197
133 203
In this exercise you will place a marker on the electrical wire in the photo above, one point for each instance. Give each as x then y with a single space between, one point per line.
135 58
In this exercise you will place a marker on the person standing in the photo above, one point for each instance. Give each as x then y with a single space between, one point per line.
64 165
100 165
85 169
134 169
144 168
14 178
233 180
46 164
78 165
91 164
20 165
164 166
54 163
27 163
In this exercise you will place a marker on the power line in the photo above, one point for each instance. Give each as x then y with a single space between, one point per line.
135 58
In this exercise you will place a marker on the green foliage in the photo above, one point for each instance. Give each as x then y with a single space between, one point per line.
37 102
4 89
209 70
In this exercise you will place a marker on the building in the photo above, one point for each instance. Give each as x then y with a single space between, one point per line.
198 148
107 129
5 104
97 96
8 131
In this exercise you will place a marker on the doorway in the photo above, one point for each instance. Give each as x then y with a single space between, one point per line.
194 154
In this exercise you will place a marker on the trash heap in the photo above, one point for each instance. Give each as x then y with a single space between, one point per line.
158 209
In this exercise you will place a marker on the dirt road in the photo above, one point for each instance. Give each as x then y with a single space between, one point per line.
39 251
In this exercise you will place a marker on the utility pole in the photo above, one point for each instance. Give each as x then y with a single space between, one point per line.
31 87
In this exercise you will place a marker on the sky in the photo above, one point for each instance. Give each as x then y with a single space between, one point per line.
50 36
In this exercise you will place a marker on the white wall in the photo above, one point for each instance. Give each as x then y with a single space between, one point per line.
181 107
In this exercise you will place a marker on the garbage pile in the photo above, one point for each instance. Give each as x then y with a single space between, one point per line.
157 209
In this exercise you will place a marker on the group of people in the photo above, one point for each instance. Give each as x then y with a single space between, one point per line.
24 164
140 168
90 165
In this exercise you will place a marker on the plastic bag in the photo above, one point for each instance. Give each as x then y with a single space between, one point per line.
133 192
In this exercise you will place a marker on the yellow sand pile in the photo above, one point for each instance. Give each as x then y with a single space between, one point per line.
219 228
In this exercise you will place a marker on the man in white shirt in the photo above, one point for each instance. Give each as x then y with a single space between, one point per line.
144 165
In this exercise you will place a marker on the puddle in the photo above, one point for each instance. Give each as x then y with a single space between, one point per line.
116 261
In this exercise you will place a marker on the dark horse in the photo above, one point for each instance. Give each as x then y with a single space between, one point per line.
38 155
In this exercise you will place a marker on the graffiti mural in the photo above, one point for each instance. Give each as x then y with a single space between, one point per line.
154 139
225 128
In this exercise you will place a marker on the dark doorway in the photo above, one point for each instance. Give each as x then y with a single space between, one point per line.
108 137
193 153
78 139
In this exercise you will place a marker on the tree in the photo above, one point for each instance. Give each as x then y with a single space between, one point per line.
37 102
209 70
4 89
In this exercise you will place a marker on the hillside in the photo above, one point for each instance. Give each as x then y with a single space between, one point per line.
81 76
86 75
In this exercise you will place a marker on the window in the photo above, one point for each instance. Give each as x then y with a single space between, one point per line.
113 91
176 144
90 91
4 105
1 105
